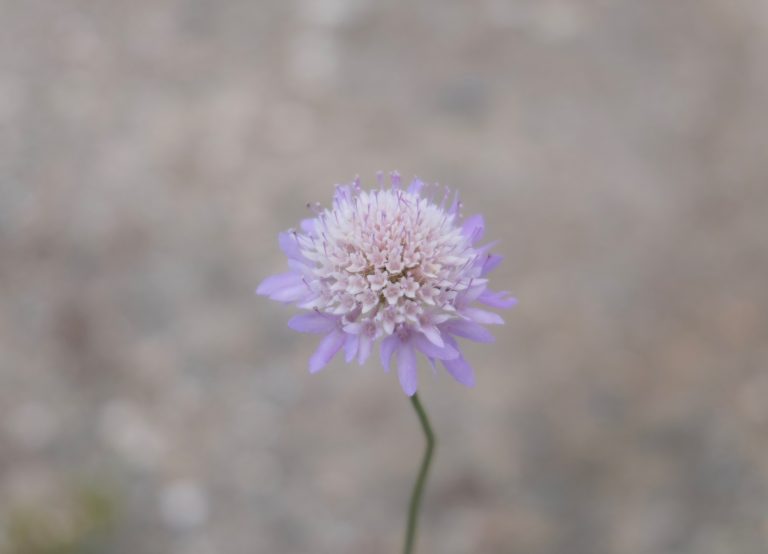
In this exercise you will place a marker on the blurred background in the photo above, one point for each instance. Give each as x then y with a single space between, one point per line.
150 152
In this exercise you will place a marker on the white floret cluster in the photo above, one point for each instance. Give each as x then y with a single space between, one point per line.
388 261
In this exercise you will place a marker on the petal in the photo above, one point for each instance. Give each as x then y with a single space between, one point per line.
460 370
350 347
275 283
407 368
471 294
481 316
500 300
491 263
300 266
468 329
308 225
433 334
364 349
328 348
474 228
310 302
455 205
416 186
290 245
395 179
342 194
446 352
388 346
353 328
313 322
292 294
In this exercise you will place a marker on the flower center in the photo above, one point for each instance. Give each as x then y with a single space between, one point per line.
388 257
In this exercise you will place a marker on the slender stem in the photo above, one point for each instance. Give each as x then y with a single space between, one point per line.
418 488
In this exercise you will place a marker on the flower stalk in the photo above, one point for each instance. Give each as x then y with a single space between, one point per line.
418 488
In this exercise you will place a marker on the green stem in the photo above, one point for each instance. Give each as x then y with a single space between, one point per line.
418 489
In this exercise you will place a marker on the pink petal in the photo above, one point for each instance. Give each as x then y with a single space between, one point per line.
313 322
468 329
327 349
407 368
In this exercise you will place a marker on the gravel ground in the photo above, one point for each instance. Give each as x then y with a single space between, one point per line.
151 150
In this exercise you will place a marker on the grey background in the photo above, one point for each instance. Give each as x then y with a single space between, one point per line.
150 151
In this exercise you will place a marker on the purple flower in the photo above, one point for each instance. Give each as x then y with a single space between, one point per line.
392 266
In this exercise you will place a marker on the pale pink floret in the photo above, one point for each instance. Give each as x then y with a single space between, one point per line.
391 265
378 280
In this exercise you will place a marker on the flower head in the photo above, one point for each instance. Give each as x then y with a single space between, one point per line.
395 266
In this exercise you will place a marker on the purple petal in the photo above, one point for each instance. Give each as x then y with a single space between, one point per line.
313 322
433 334
485 250
454 210
272 284
395 179
446 352
481 316
301 267
290 246
350 347
292 294
468 329
407 368
471 294
497 299
445 199
286 287
308 225
353 328
309 302
416 186
491 263
342 193
460 370
328 348
388 346
364 349
474 228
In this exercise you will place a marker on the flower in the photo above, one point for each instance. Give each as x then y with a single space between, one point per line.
393 266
